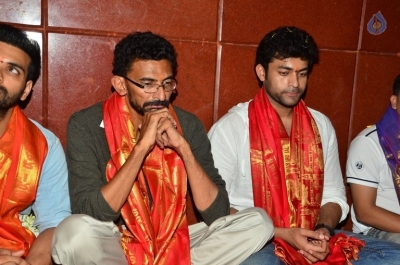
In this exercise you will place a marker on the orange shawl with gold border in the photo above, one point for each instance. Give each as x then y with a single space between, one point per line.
156 233
23 149
287 174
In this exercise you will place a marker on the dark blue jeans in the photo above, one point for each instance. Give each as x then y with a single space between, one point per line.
394 237
376 252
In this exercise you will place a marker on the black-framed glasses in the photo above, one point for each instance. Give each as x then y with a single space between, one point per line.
152 86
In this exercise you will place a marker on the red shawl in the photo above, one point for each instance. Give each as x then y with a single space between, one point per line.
23 149
287 174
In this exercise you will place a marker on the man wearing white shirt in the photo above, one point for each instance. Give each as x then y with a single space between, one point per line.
275 153
376 211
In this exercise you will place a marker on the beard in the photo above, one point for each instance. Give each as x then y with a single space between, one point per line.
8 101
148 106
288 102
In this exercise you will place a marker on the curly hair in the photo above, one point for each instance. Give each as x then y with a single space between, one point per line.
396 86
285 42
19 39
142 46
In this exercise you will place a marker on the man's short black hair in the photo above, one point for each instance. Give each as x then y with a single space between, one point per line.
396 86
19 39
285 42
142 46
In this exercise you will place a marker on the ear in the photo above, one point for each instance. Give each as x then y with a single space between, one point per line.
27 90
119 85
393 101
260 71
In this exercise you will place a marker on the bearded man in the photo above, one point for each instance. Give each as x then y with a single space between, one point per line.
33 175
132 160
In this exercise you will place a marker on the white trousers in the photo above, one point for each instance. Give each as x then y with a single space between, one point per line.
81 239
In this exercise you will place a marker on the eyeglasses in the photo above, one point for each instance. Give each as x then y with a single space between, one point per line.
152 86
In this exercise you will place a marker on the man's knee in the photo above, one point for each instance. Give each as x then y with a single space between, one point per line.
71 231
262 223
81 239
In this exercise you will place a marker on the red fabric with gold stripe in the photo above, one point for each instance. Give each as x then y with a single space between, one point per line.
287 174
23 149
156 234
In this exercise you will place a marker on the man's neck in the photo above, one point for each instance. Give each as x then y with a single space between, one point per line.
4 119
285 114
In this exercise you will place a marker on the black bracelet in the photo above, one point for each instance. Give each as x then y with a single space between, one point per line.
322 225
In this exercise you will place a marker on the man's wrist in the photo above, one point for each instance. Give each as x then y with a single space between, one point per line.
327 227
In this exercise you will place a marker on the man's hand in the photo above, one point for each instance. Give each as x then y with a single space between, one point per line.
167 134
323 242
8 257
159 127
313 245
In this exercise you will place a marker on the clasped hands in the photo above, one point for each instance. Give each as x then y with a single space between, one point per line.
8 257
159 128
313 245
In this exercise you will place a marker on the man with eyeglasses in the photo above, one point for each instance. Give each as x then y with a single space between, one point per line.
131 160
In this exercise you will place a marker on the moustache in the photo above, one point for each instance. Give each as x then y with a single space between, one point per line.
293 89
156 103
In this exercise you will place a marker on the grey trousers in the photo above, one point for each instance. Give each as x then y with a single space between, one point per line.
81 239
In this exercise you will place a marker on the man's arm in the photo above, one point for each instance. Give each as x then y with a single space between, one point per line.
158 128
196 136
334 192
52 203
366 169
116 191
368 213
40 252
204 190
87 155
230 150
329 215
